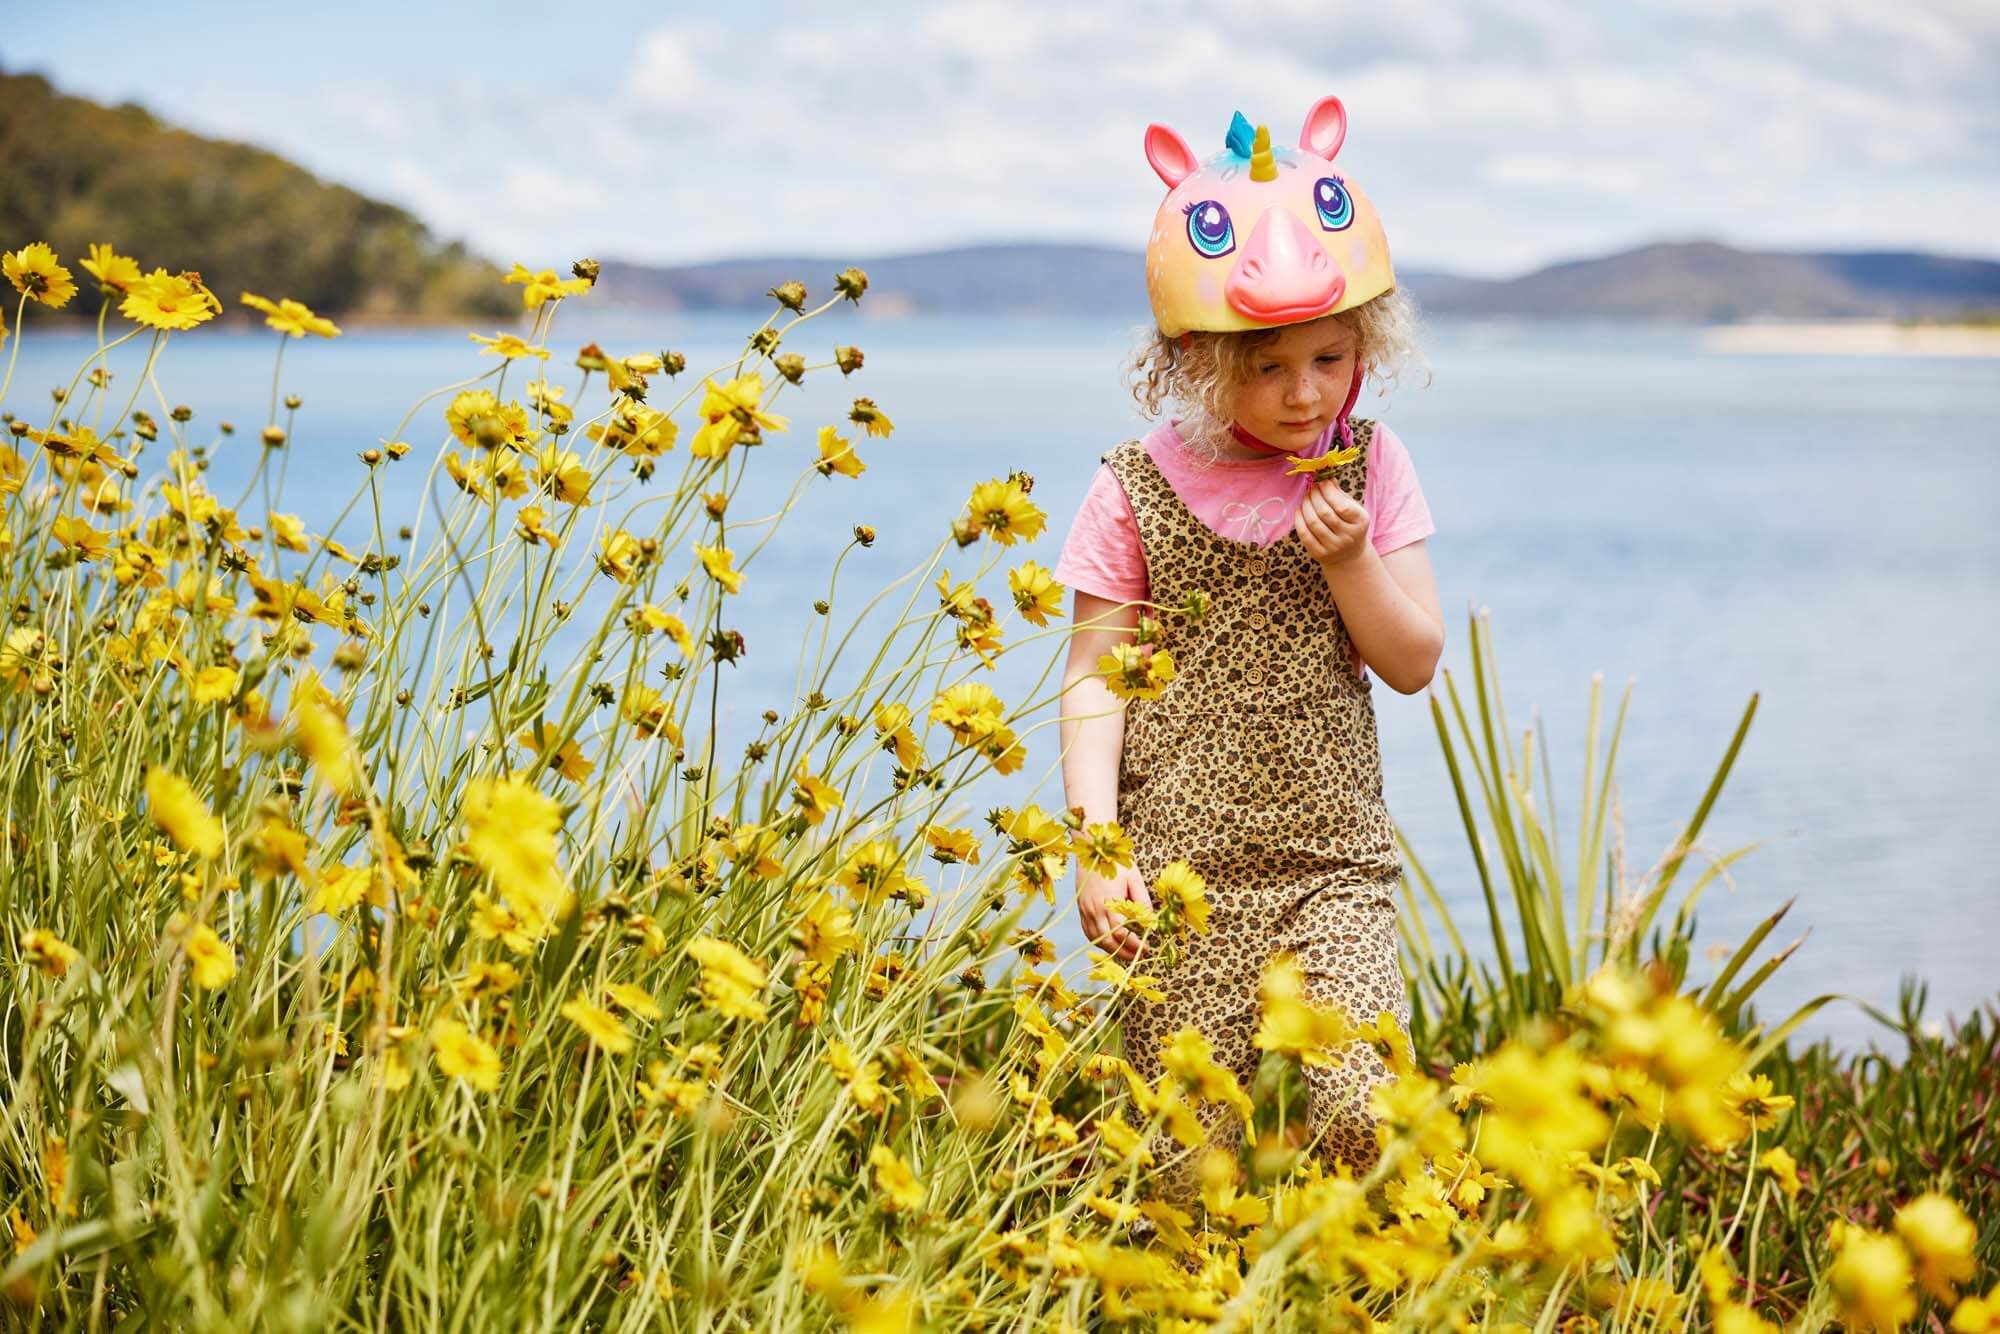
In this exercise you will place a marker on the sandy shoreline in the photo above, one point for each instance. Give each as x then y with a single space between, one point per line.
1854 338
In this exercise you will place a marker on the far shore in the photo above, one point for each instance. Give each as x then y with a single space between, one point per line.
1855 338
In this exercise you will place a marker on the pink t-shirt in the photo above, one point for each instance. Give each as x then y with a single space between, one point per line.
1246 500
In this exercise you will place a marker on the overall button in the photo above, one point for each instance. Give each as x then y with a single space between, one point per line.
1257 620
1254 674
1256 565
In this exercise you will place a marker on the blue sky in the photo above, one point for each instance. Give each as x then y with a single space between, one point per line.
1492 137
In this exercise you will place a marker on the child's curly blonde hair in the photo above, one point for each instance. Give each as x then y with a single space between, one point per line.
1202 374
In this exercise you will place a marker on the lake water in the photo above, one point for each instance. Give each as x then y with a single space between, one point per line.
1817 529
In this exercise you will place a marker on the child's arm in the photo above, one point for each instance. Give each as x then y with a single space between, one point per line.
1092 731
1389 603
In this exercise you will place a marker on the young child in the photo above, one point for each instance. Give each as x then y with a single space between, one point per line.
1257 763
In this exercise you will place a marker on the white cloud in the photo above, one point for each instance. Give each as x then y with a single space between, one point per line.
1494 136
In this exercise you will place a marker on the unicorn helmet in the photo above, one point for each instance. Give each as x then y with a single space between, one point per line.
1260 236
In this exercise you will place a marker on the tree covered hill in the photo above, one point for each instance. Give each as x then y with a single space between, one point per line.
74 172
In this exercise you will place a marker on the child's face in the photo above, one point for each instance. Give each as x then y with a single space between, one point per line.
1298 382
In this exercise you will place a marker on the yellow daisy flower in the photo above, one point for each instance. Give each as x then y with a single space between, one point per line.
295 319
37 275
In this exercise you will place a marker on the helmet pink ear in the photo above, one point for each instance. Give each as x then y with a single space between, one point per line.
1326 127
1170 155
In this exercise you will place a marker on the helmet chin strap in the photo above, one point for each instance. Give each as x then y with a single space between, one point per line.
1345 431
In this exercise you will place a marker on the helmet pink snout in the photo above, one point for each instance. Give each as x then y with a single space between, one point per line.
1284 272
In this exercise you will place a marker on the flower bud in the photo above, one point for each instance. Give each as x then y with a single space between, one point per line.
590 357
848 358
850 283
182 412
792 366
764 341
864 534
673 363
791 295
294 402
274 436
586 269
715 502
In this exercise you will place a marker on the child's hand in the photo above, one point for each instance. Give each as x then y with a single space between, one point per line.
1331 523
1103 928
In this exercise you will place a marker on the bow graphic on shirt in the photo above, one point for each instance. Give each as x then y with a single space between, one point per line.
1253 517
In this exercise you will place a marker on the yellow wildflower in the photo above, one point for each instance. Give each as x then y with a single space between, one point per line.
1751 1098
1131 673
562 475
319 732
464 1055
1179 886
813 796
1978 1315
874 872
730 979
1291 1024
649 712
836 455
601 1026
508 347
970 711
716 560
487 979
952 845
294 319
1782 1166
511 832
1871 1279
621 555
1002 510
1190 1057
289 532
870 418
477 417
1103 847
634 1000
214 685
340 888
543 285
864 1082
36 274
112 270
77 534
1941 1238
492 921
566 759
1037 595
45 950
899 1186
210 958
533 527
169 301
181 813
659 618
826 931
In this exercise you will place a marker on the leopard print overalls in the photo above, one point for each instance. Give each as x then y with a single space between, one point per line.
1258 764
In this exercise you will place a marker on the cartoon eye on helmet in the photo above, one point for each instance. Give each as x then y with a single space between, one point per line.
1209 230
1261 235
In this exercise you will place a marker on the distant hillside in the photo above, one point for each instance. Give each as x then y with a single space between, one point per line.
1709 281
1019 279
1692 281
73 172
